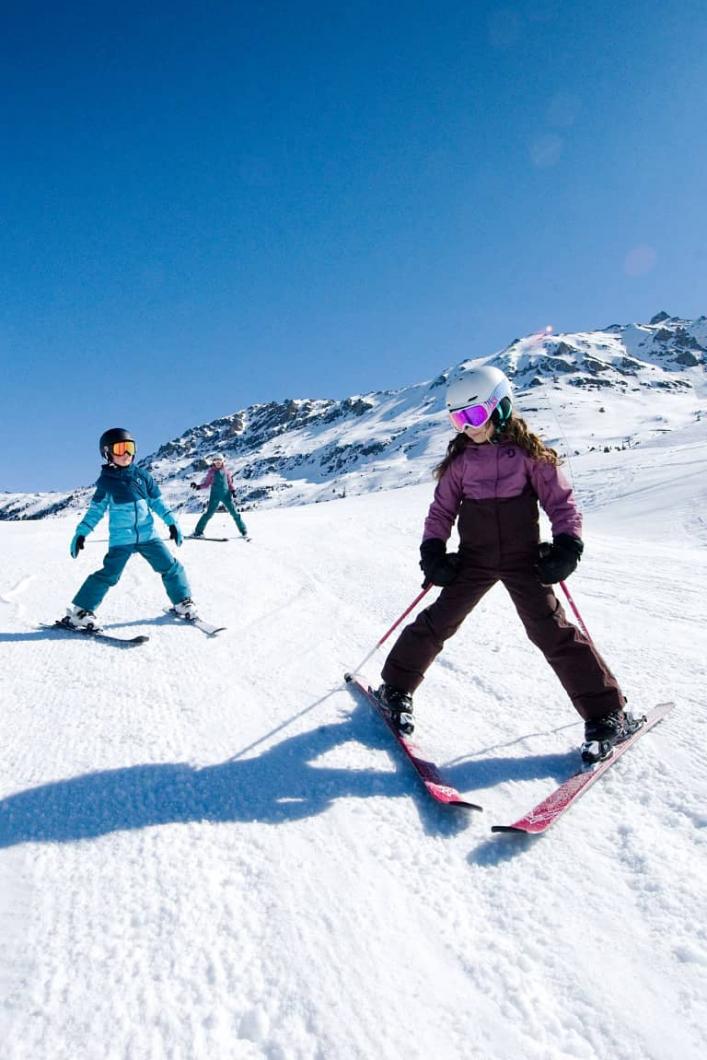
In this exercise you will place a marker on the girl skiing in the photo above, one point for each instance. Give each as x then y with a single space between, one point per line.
218 477
491 480
130 495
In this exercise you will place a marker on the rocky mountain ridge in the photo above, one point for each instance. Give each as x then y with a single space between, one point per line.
614 387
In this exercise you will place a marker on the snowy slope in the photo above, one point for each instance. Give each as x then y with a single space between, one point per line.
615 388
209 848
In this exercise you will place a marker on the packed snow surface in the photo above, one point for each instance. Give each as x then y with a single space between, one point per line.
210 848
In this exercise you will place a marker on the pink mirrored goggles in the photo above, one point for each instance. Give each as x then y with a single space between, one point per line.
474 415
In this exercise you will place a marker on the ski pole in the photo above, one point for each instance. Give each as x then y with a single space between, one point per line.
425 589
579 618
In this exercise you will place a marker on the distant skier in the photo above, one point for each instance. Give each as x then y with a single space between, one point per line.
491 479
219 479
130 495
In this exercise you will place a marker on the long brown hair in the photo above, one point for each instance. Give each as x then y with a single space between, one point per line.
516 431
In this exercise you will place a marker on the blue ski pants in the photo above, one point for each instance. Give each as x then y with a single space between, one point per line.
157 555
227 501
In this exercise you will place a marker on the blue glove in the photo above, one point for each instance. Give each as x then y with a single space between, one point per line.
176 534
77 544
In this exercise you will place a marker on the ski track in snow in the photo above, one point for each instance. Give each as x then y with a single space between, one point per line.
212 848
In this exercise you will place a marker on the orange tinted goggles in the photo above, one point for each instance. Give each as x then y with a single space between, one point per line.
121 448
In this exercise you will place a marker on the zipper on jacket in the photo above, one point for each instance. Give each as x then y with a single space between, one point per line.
498 514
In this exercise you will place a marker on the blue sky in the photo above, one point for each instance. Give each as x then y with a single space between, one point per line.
206 205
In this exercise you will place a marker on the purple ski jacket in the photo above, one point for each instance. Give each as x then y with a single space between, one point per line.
499 471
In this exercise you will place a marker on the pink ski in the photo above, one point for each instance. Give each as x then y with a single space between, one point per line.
547 812
426 771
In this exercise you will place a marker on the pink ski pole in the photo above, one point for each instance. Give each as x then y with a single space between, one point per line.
579 618
425 589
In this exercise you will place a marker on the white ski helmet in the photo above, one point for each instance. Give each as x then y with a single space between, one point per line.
479 395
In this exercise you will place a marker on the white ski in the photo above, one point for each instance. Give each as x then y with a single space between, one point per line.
205 627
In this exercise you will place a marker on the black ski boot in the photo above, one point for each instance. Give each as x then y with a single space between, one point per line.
399 706
602 734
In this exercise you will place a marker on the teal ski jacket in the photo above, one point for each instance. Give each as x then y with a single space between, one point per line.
130 495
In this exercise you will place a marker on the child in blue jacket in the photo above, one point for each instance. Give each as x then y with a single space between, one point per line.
130 495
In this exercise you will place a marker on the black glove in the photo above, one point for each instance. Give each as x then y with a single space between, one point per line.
438 566
77 544
558 560
194 485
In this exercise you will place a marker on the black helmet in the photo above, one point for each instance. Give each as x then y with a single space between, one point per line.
109 437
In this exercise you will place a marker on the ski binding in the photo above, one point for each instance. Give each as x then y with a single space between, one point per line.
539 819
427 771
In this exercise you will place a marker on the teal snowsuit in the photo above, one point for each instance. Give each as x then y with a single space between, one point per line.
221 483
130 495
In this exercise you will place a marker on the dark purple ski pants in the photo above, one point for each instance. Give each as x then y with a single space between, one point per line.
499 542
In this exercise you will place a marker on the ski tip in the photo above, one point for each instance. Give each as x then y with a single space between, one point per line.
447 795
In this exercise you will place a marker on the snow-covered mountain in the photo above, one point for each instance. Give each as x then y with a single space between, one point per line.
614 388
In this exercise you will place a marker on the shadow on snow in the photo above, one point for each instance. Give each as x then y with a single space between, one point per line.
281 784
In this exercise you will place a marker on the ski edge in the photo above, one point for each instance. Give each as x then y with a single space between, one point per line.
202 537
193 537
100 634
443 794
538 820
